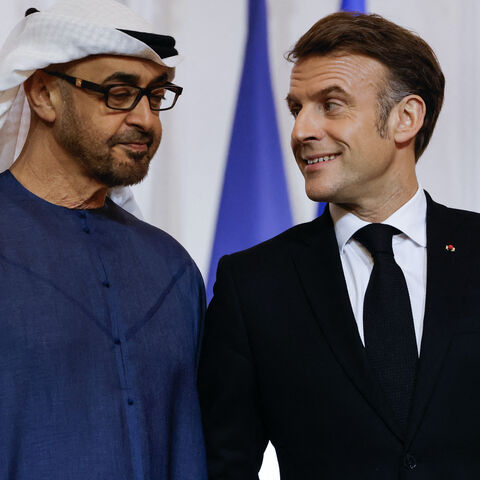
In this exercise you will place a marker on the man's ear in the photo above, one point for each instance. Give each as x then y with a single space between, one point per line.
43 95
408 118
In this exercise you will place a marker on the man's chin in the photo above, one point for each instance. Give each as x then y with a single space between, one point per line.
137 156
317 195
123 177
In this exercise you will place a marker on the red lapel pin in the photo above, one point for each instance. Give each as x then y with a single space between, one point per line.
450 248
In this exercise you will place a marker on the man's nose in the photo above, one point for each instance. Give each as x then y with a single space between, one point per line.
309 125
142 115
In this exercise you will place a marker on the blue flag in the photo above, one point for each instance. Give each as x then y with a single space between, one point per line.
254 204
346 6
353 6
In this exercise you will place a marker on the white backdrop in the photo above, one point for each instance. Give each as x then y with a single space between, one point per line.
182 191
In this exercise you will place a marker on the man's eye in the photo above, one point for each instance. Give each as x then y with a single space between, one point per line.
295 111
121 92
158 97
158 94
331 106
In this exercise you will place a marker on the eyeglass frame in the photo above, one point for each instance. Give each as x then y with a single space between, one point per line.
95 87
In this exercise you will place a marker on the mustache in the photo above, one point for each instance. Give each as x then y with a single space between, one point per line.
133 136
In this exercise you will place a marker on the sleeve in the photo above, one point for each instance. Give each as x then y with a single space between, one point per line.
229 398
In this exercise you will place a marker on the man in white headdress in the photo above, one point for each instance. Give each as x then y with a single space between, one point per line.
100 313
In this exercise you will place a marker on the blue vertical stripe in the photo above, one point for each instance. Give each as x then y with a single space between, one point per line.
353 6
254 204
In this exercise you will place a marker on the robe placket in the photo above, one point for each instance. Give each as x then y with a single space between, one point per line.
120 347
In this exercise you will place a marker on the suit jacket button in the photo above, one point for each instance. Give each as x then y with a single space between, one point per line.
409 461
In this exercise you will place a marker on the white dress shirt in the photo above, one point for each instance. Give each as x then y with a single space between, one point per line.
409 249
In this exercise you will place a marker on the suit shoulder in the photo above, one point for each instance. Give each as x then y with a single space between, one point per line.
459 216
467 215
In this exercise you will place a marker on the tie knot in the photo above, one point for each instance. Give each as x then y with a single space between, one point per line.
377 238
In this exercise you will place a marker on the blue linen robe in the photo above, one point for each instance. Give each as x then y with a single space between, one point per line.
100 322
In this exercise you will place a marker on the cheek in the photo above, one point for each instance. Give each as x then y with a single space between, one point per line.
157 133
362 136
349 129
101 125
158 128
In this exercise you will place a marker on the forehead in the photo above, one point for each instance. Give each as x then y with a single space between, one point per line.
350 72
98 67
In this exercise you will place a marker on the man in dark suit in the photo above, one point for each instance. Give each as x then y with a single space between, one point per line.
352 342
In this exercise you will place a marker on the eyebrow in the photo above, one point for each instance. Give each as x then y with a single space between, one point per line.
289 99
322 93
133 78
332 89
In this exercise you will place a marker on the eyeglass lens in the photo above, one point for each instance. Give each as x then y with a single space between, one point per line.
124 96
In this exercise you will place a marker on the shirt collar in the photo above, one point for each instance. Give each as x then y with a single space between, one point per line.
410 218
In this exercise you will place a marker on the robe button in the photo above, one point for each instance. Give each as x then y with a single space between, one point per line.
409 461
106 284
130 401
117 342
86 229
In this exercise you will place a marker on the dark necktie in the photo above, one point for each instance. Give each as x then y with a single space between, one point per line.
388 322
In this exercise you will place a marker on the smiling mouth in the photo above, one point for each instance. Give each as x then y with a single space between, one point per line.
323 158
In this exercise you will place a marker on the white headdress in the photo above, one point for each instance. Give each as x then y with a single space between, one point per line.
70 30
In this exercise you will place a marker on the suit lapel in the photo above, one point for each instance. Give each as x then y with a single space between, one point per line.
442 272
320 270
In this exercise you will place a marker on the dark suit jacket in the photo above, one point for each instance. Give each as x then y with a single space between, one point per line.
283 361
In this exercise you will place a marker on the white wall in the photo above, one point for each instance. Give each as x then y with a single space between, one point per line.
182 191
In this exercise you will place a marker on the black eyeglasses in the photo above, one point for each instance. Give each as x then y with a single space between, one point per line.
126 97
